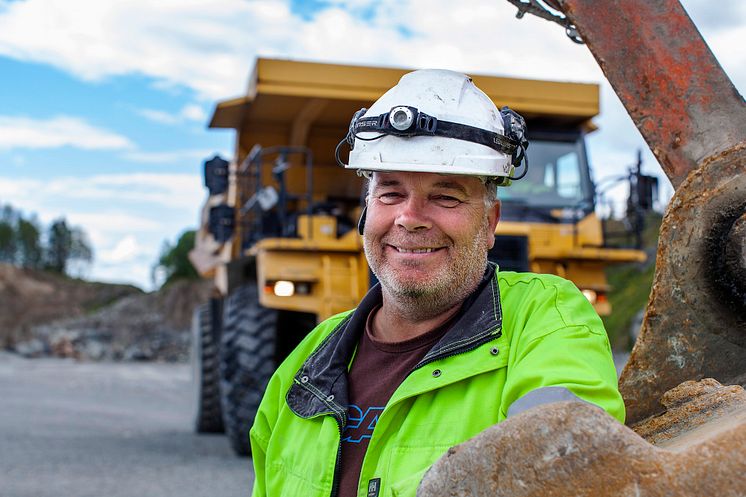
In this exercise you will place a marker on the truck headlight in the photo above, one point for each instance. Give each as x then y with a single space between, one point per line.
284 288
590 295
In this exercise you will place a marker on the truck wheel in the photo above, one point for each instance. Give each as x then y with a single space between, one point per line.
247 361
208 417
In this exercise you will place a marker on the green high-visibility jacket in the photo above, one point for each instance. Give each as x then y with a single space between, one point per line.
523 339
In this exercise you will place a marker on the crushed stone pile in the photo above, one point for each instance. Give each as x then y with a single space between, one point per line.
49 316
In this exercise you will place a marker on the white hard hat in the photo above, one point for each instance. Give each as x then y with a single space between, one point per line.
436 121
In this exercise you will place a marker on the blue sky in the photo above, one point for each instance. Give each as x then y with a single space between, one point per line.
104 105
95 151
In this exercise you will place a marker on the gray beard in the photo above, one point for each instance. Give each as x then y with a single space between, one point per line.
422 302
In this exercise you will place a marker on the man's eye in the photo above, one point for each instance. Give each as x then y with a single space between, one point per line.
389 197
446 201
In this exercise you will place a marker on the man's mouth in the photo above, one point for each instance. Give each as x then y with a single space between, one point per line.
421 250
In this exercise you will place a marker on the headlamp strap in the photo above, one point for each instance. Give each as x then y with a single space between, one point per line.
425 125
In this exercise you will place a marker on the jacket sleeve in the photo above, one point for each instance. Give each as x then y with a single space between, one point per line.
258 458
558 351
261 431
259 438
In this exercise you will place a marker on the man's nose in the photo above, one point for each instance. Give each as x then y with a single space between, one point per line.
412 215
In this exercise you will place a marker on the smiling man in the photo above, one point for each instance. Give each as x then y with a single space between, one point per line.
426 239
446 345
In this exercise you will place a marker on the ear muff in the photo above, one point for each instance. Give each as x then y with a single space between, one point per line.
361 221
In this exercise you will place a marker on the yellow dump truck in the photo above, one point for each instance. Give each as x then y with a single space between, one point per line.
278 232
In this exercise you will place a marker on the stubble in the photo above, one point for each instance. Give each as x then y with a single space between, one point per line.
420 300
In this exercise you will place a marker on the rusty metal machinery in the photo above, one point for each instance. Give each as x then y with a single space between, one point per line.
689 434
694 121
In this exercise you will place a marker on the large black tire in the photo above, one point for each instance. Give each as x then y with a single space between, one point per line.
208 416
247 361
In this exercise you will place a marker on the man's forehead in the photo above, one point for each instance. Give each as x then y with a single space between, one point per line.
466 184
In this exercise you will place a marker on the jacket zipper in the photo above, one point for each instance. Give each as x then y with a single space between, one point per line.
340 426
335 480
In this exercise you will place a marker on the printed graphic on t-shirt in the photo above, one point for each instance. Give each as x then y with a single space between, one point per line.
360 423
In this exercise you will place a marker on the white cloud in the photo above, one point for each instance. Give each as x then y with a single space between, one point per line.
174 156
159 189
190 112
126 216
201 44
55 132
728 14
126 250
158 116
111 222
205 45
173 191
193 112
128 193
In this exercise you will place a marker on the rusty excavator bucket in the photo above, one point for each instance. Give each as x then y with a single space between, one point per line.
686 433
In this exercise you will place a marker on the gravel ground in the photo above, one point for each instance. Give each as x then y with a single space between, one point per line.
70 429
107 429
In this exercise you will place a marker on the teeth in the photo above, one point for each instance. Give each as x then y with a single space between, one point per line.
415 251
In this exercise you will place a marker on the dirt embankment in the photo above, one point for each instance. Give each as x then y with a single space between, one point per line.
43 314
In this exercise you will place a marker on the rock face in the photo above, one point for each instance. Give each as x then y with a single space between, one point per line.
45 315
30 298
696 410
575 449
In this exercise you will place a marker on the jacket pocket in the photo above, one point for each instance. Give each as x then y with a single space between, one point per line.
409 464
288 483
408 486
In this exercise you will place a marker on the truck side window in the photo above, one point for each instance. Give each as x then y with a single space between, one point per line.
568 176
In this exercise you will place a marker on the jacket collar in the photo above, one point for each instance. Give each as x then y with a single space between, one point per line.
320 386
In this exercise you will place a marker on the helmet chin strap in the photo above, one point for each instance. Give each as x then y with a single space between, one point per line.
361 221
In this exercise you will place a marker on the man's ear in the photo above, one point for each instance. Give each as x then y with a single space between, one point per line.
493 216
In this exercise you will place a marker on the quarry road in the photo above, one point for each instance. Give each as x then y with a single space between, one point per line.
70 429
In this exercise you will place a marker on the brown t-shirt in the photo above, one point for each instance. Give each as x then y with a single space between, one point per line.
377 371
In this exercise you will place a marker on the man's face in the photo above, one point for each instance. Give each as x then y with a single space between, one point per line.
427 236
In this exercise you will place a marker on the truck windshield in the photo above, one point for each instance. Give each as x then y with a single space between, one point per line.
557 177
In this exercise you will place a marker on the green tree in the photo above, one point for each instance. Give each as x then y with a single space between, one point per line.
21 243
28 234
65 244
80 249
7 243
59 240
81 253
174 260
8 235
